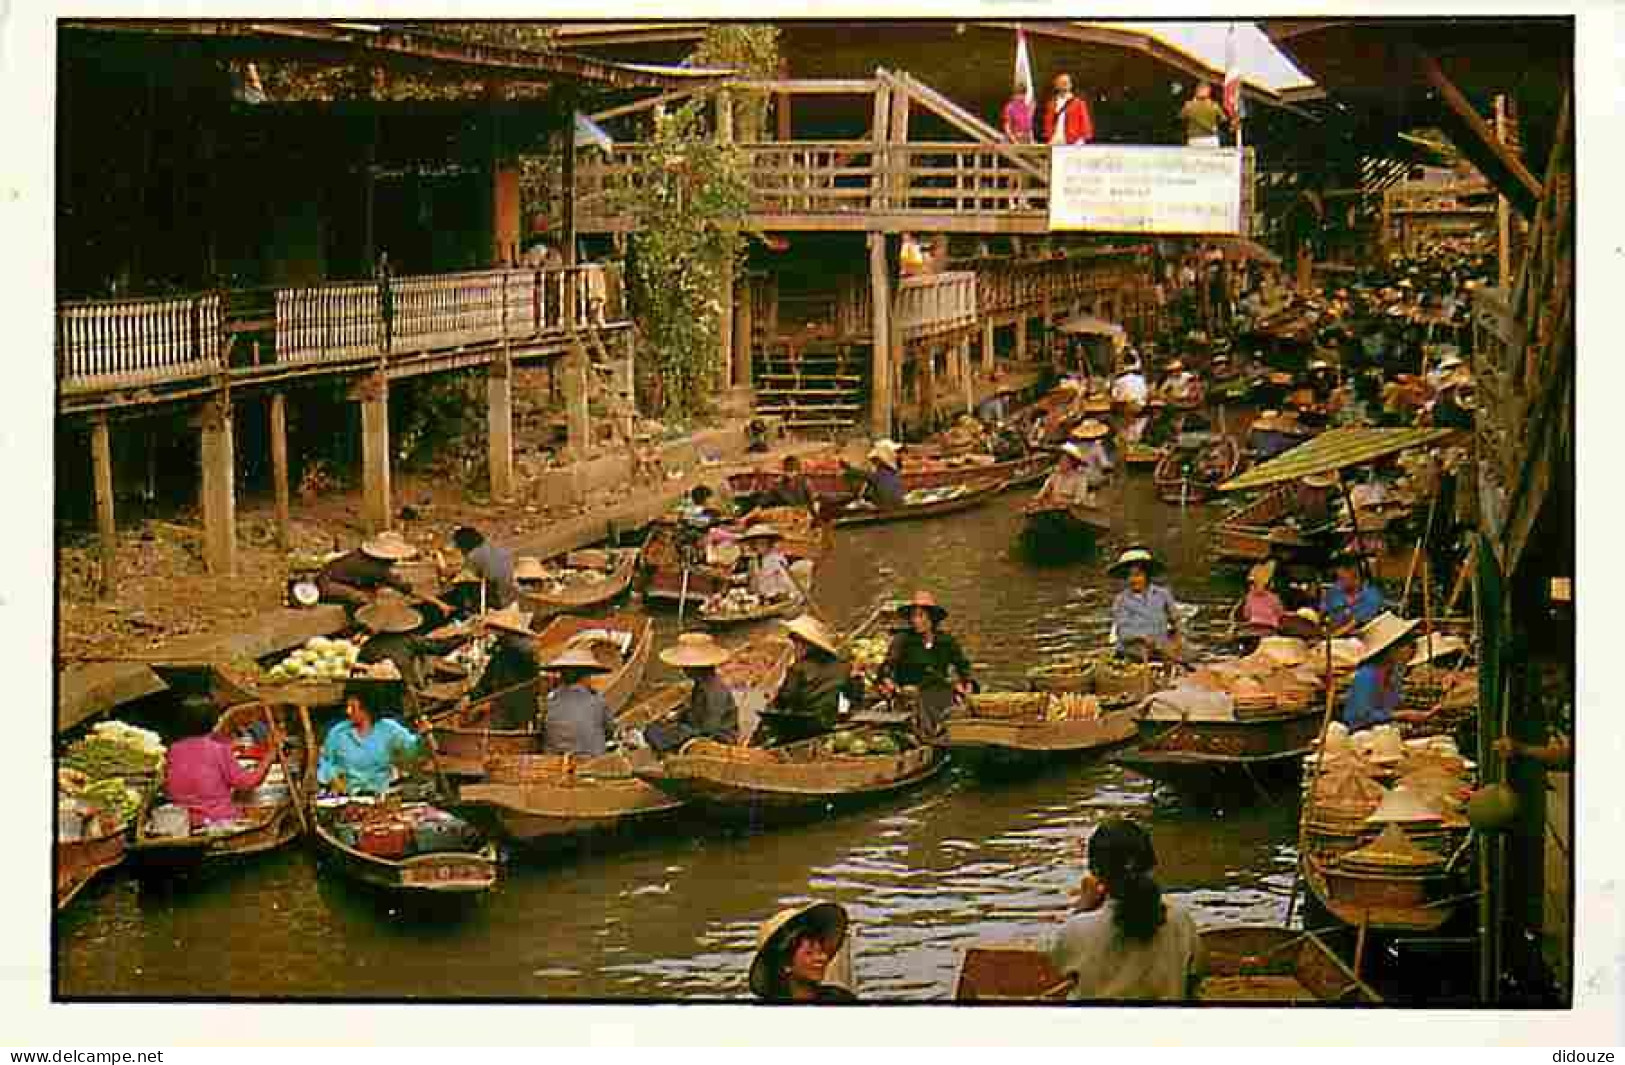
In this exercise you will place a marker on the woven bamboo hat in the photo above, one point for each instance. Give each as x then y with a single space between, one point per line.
388 614
526 568
1135 556
1284 651
510 619
827 920
578 656
1393 851
815 632
695 650
1437 645
885 453
924 601
1321 480
1091 429
1403 805
390 546
1074 452
761 532
1381 633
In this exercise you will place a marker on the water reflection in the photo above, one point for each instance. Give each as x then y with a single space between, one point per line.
676 916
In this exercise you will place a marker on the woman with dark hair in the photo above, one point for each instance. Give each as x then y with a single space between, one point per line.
1126 941
361 752
493 565
800 956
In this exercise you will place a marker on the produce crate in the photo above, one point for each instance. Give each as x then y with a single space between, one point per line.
1006 705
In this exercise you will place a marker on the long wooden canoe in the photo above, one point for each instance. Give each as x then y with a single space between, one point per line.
723 619
1222 755
1180 476
999 743
447 873
973 495
1261 965
753 783
1060 533
264 826
463 747
828 482
584 595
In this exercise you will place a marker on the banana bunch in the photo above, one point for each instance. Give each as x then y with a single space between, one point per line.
1070 706
869 654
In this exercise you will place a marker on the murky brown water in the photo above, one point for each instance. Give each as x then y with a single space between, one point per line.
676 916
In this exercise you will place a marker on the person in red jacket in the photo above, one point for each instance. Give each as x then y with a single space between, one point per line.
1076 126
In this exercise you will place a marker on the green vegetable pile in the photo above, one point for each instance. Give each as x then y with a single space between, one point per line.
115 797
859 744
114 749
320 659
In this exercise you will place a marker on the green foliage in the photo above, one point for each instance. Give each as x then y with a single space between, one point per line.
751 49
688 200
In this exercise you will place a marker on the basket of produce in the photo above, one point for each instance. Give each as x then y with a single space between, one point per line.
869 654
320 659
1069 673
115 749
529 768
1006 705
1072 706
854 744
1114 678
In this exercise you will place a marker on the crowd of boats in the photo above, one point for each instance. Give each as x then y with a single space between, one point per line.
1384 812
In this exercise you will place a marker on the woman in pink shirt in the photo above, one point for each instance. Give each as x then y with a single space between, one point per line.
1261 611
202 772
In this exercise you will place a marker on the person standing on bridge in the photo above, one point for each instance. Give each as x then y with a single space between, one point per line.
1202 118
1066 117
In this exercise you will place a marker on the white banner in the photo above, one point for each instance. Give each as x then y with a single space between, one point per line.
1108 188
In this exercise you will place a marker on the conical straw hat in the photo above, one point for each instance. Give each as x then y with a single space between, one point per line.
1404 805
1436 645
1091 429
826 919
1381 633
388 614
1393 851
510 619
695 650
1284 650
814 632
578 656
526 568
390 546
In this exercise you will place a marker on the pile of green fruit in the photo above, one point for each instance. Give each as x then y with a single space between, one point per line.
320 659
115 797
114 749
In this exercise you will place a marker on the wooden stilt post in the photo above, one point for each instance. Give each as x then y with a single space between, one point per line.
988 348
101 458
373 394
218 489
1021 339
279 466
499 426
880 365
728 372
966 372
742 332
576 394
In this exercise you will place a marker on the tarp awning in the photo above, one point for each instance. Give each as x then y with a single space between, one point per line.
1333 450
1084 325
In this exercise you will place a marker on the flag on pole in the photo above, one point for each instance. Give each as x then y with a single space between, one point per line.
1232 76
1024 69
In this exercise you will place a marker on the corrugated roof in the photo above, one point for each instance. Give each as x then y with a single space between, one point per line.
1332 450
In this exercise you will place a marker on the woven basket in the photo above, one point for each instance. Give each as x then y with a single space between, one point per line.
1114 679
1006 705
1246 706
529 768
1076 679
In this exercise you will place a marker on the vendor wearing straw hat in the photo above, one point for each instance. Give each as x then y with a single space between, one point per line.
513 670
711 711
924 657
578 719
1145 617
1177 385
882 485
354 578
1379 681
801 956
395 636
1090 435
809 701
1069 485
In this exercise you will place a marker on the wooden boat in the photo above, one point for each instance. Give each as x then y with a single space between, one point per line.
1191 475
539 800
1246 534
1271 966
462 747
717 618
661 567
994 744
1220 755
1383 902
829 483
1140 454
1058 531
79 861
797 779
270 817
963 497
618 566
442 874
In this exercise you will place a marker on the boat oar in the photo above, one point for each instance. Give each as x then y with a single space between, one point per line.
287 773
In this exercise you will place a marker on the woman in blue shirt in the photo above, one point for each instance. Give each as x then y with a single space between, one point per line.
1349 602
360 752
1379 682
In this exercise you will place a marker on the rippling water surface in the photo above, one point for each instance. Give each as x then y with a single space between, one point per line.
676 915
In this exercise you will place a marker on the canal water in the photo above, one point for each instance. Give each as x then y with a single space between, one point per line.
675 915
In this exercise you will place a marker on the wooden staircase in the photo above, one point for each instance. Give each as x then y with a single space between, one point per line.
816 387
